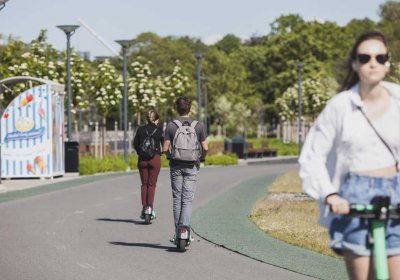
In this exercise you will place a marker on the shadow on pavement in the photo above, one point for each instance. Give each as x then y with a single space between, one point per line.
145 245
130 221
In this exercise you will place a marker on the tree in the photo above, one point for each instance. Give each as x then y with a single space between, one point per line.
38 59
389 25
141 88
105 90
315 93
229 44
319 45
174 85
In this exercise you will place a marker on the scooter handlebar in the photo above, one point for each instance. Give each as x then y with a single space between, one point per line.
370 211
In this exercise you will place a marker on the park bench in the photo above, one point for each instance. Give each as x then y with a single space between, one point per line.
263 151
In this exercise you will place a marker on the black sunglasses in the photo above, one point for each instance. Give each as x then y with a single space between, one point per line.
365 58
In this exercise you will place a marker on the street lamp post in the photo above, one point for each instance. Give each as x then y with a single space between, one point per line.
125 45
69 30
198 56
2 5
205 103
299 65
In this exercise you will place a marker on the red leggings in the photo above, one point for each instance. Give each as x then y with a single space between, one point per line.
149 170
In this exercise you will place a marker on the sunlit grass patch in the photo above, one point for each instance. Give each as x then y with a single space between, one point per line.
290 216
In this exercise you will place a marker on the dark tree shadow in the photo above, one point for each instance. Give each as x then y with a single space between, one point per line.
144 245
130 221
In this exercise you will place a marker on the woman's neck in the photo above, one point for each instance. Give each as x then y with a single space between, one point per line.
371 92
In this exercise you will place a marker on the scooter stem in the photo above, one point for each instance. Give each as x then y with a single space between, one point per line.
381 263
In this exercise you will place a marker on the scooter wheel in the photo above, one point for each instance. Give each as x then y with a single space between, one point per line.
147 219
181 245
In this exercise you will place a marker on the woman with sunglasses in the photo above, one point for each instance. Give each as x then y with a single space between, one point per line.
351 155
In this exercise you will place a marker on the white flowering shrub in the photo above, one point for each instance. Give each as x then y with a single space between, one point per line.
314 95
37 60
106 88
175 85
80 81
141 88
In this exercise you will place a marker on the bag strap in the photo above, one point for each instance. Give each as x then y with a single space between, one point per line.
178 123
381 138
194 123
150 134
153 132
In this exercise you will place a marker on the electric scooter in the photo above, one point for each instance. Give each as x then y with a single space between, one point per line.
377 214
182 239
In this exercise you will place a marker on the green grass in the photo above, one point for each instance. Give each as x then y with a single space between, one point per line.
284 149
292 221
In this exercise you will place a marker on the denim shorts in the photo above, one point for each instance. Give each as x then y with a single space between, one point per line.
352 233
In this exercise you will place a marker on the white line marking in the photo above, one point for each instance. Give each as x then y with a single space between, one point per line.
79 212
86 265
60 247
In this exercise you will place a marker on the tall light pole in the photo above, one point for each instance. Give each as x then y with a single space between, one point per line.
205 103
198 56
2 5
69 30
299 65
125 45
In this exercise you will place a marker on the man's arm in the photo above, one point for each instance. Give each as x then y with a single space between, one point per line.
204 151
165 148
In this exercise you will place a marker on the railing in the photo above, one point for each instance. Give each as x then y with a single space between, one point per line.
100 142
288 131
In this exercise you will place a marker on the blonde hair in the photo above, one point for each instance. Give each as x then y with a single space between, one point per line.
152 116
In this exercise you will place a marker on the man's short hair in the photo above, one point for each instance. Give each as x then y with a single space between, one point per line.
183 105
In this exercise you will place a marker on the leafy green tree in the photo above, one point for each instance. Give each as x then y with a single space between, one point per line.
229 44
389 25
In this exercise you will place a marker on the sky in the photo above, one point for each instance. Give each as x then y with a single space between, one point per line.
208 20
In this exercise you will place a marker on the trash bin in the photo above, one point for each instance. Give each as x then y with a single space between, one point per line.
239 146
72 156
227 146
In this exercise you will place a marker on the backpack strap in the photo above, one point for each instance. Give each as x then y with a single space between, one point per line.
178 123
194 123
152 132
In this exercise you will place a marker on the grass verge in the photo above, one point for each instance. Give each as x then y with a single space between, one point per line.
287 215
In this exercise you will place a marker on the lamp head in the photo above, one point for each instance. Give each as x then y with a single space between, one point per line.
124 43
67 28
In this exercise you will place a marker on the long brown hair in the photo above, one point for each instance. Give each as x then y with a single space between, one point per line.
352 76
152 116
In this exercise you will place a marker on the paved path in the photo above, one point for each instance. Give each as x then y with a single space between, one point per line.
92 231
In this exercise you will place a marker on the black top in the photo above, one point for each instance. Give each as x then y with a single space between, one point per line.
141 135
171 129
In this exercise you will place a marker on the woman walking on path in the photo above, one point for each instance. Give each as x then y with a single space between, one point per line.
351 155
147 143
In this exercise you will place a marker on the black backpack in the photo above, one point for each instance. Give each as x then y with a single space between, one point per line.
147 149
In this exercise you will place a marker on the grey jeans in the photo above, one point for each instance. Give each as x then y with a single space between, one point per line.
183 183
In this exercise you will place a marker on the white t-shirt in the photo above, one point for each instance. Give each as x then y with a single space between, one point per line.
367 152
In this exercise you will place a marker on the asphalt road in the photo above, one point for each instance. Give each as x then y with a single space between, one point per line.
93 231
